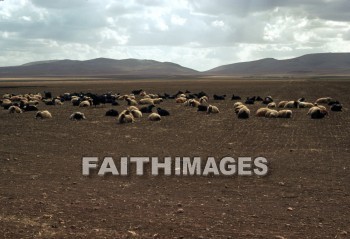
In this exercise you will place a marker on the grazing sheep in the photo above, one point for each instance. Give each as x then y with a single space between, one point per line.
77 116
43 115
130 108
212 109
235 97
219 97
291 104
146 101
6 103
157 100
154 117
271 114
262 112
238 108
30 108
250 101
84 103
75 101
136 113
336 107
204 99
192 102
112 112
267 100
324 100
131 101
282 104
243 113
58 102
15 109
317 113
182 96
237 104
147 109
285 114
181 100
306 105
202 108
271 105
162 112
126 117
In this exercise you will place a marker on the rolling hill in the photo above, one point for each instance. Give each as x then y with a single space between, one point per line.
311 64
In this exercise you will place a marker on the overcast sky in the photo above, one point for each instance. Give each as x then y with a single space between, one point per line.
200 34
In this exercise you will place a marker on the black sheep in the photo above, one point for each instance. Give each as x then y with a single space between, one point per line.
202 108
219 97
235 97
163 112
336 107
147 109
112 112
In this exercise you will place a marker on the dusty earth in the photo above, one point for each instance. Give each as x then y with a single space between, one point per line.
306 193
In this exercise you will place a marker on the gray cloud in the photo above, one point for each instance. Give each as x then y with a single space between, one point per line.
195 33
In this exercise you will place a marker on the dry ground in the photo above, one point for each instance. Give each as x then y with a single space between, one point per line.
44 195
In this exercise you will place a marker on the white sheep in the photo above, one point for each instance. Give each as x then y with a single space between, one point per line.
323 100
43 115
285 114
212 109
146 101
130 108
271 114
306 105
154 117
271 105
204 99
180 100
15 109
237 104
84 103
282 104
126 117
262 112
243 113
290 104
136 113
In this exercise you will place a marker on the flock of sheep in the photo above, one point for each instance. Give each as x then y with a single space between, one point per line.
139 102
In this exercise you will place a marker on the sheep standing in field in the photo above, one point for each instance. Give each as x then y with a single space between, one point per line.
126 117
154 117
219 97
235 97
285 114
317 112
212 109
43 115
192 102
15 109
77 116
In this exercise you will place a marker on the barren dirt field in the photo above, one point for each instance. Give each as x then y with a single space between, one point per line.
306 193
